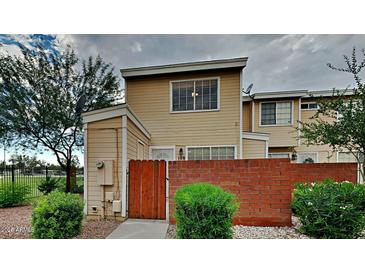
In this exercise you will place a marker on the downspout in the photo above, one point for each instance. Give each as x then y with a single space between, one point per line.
241 106
253 115
85 169
300 120
123 189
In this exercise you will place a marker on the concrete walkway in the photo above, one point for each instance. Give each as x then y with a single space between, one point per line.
140 229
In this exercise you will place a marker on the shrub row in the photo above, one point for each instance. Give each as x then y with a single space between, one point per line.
330 210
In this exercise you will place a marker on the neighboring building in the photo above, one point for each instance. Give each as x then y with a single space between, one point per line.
190 111
271 127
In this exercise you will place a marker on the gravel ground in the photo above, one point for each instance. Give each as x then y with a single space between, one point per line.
257 232
15 224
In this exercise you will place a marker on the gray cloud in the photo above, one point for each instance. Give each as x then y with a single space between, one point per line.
276 62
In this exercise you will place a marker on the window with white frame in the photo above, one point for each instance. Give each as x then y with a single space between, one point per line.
307 157
195 95
279 155
211 153
276 113
309 106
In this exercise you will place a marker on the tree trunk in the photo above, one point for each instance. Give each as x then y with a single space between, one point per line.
68 176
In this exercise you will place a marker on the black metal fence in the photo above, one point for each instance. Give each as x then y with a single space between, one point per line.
30 178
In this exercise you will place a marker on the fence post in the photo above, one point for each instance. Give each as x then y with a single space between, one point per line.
46 172
12 180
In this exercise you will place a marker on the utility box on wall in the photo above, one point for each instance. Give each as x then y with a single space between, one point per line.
104 172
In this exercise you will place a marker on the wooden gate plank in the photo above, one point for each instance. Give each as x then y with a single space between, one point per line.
147 189
162 187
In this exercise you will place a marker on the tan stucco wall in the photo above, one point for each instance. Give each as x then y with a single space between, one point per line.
149 98
253 149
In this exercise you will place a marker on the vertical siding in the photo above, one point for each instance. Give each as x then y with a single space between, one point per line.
254 149
134 134
149 97
102 144
246 116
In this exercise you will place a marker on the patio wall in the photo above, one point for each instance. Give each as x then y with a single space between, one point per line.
262 186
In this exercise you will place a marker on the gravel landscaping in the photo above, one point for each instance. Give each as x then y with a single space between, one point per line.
15 224
257 232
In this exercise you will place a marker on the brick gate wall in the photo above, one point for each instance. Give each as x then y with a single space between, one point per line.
262 186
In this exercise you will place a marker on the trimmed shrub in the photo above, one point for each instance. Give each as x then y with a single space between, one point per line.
57 216
13 194
48 184
329 209
204 211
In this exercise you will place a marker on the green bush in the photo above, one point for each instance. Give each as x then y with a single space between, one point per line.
48 184
57 216
330 210
13 194
204 211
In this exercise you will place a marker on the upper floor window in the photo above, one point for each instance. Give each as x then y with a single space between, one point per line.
276 113
195 95
309 106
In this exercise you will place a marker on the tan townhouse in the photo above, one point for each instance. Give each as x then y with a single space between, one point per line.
190 111
271 127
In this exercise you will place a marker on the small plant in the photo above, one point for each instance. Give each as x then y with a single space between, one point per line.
57 216
12 194
330 210
204 211
48 184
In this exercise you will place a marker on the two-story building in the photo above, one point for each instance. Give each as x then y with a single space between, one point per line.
190 111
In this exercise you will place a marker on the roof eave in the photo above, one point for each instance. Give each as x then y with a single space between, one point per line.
185 67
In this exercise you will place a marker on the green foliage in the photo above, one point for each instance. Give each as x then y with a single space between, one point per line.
48 184
57 216
204 211
340 121
330 210
42 96
13 194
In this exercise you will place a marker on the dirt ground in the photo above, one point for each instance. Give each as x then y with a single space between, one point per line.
15 224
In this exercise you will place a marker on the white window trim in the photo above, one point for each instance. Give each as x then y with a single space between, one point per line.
199 110
234 147
307 152
280 125
276 153
143 144
309 109
163 147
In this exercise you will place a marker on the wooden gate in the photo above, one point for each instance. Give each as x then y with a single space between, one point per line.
147 189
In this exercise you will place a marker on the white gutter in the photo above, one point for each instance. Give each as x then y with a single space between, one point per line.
85 169
241 106
123 189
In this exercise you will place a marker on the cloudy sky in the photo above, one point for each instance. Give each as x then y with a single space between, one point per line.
276 62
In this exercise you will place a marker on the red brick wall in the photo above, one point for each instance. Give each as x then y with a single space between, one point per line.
262 186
